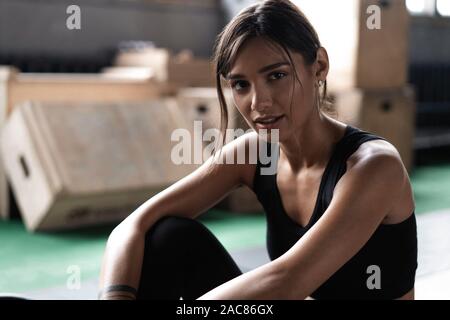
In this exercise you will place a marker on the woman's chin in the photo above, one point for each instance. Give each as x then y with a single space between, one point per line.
272 136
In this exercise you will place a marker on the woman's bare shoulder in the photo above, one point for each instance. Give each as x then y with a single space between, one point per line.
382 148
370 149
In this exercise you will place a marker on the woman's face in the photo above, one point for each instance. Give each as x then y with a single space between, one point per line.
262 84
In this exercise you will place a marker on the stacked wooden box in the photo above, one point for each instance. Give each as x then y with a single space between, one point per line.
367 44
17 88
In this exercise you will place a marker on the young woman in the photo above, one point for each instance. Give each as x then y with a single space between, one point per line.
340 209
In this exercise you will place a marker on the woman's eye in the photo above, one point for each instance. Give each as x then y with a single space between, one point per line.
277 75
238 85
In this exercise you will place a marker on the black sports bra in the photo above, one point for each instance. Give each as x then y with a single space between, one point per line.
392 248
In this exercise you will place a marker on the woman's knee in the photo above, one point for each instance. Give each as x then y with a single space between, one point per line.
170 224
174 230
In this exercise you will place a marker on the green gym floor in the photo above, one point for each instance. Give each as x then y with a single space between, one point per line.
40 265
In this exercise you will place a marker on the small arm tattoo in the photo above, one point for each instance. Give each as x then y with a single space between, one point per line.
118 291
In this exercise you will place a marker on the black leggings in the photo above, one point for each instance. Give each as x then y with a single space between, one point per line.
182 258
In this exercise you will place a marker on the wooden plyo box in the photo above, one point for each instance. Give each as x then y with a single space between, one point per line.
17 88
201 109
387 113
360 55
46 87
202 104
73 165
182 70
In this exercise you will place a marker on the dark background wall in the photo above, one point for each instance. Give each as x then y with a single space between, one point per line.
430 40
39 27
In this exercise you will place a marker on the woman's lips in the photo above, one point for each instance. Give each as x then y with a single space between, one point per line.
270 125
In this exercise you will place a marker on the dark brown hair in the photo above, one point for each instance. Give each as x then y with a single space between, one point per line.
282 24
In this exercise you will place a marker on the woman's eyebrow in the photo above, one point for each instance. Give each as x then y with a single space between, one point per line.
262 70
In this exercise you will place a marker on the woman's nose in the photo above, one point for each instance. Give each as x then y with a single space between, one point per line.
261 99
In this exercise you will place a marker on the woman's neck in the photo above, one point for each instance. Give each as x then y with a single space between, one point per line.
312 144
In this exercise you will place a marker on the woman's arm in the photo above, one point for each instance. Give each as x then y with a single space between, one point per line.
189 197
361 199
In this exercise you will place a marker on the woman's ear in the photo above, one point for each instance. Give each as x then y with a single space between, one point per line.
322 64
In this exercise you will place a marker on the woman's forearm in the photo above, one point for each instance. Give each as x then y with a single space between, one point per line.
265 282
122 261
121 265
